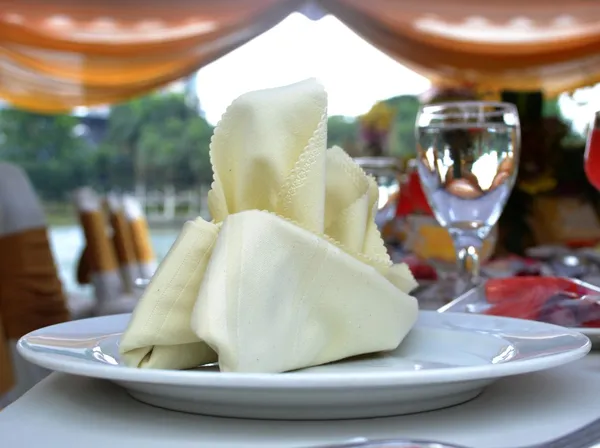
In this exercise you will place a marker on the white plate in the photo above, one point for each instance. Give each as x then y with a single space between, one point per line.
447 359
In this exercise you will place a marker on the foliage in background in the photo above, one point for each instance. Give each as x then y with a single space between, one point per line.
343 132
47 148
153 141
163 141
403 142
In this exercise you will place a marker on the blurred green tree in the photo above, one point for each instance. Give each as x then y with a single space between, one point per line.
402 138
164 138
153 141
56 159
341 131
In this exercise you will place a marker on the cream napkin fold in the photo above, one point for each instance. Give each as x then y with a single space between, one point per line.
292 272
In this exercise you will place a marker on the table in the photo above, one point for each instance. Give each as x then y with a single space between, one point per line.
64 411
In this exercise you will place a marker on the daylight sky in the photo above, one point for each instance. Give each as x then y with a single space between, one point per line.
355 74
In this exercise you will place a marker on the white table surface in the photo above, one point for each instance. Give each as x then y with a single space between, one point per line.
68 411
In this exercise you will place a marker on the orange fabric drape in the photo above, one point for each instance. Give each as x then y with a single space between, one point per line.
65 53
510 44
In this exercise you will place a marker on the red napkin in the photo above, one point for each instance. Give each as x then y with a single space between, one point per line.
547 299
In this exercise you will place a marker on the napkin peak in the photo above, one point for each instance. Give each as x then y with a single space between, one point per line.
289 118
274 140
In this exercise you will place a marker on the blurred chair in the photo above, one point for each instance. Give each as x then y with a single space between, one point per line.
7 376
98 264
123 242
31 294
142 243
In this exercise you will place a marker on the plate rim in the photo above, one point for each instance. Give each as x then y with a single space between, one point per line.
301 380
587 331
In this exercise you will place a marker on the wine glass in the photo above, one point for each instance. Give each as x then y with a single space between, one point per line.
468 155
592 153
386 172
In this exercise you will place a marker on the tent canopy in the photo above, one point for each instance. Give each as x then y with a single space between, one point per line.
66 53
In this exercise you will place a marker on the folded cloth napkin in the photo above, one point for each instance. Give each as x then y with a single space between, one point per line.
292 271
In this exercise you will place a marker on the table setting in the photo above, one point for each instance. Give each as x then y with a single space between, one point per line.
285 321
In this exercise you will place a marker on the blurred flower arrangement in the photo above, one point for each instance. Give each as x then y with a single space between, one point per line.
375 128
461 92
449 93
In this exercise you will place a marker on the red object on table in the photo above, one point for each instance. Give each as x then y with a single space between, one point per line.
420 269
412 199
592 156
580 244
512 288
527 307
548 299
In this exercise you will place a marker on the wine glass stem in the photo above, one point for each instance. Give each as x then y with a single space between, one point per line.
468 264
468 249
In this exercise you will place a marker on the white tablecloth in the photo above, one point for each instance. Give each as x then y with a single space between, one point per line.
68 411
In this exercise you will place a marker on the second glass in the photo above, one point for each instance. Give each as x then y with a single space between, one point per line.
592 153
468 155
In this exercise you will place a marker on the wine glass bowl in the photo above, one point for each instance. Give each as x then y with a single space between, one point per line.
386 172
468 156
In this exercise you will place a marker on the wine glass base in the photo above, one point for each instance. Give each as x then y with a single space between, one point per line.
441 292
